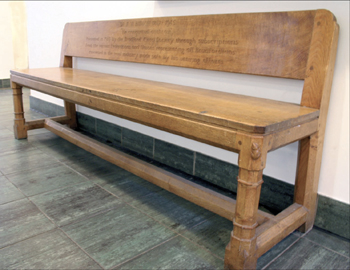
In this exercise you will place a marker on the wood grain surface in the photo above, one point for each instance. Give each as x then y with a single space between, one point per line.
224 109
271 44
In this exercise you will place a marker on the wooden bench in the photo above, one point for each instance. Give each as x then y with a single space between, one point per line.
299 45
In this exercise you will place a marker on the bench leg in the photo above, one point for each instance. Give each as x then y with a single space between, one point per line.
308 172
20 130
71 113
241 252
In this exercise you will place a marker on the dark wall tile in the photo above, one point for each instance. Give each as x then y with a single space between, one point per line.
86 122
174 156
137 142
108 131
45 107
275 194
216 171
5 83
333 216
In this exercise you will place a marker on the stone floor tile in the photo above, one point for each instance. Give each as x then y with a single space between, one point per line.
92 166
329 240
117 235
51 250
177 253
126 185
213 234
20 220
8 192
305 254
46 179
72 203
24 160
171 210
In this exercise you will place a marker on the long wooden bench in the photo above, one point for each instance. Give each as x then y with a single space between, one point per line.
299 45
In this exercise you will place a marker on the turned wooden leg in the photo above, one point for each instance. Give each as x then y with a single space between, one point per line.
71 113
241 252
20 130
308 172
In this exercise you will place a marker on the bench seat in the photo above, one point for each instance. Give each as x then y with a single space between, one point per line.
239 112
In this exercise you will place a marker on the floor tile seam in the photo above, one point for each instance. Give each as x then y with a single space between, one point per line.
280 254
74 170
326 248
41 211
41 193
1 204
144 252
75 221
15 151
82 249
25 197
134 207
33 169
27 238
202 247
56 189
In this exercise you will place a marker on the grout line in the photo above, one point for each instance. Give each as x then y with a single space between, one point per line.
194 162
25 239
146 251
326 248
81 248
279 255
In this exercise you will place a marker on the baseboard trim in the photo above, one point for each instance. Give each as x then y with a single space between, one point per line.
5 83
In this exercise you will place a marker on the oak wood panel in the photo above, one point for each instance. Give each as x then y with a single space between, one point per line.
213 107
316 94
214 135
271 44
209 199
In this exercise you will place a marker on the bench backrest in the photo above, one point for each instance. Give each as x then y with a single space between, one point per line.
297 45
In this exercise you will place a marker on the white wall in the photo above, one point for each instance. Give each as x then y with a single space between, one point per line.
13 37
45 26
6 48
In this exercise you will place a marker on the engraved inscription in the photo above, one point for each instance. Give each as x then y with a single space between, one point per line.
158 41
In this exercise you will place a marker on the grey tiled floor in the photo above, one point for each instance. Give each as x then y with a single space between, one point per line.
63 208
